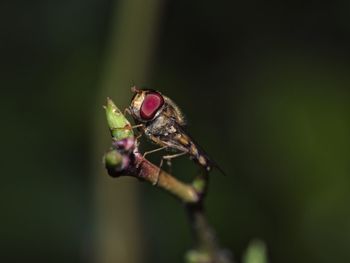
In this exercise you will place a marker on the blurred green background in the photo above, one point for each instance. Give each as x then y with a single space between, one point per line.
264 86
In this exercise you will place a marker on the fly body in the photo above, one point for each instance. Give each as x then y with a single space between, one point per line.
162 122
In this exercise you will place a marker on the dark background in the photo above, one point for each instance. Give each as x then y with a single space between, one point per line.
264 86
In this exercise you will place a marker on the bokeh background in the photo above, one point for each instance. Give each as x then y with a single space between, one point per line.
264 86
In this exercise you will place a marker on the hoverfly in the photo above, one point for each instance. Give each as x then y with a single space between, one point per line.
162 122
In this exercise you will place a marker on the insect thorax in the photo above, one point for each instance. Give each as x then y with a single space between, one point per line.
160 126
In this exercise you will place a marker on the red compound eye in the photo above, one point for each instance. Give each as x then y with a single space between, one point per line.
152 102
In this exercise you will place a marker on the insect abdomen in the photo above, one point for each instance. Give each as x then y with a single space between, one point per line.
194 151
199 157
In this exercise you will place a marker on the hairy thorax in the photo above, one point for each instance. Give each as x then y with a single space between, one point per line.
160 126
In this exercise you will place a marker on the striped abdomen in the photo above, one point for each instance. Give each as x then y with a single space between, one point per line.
193 149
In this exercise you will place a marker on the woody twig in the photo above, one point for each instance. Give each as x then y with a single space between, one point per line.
124 159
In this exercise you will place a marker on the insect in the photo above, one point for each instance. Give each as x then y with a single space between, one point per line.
162 122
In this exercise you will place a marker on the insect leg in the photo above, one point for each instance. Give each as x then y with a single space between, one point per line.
158 174
139 132
137 126
168 158
155 150
128 127
127 111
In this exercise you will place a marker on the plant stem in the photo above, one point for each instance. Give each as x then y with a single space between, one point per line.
124 159
153 174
